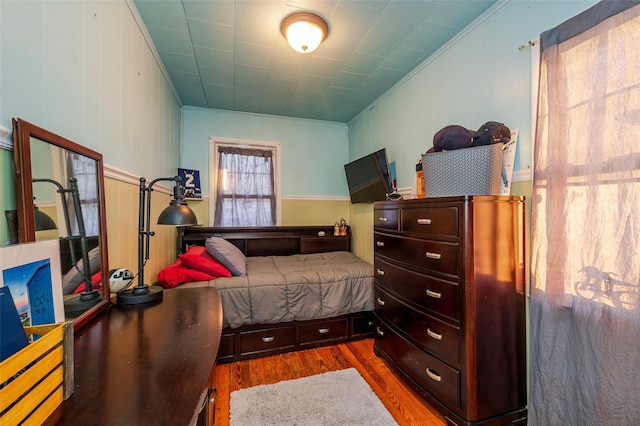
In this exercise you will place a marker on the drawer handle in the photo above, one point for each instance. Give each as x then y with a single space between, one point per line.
380 332
379 243
323 330
434 294
382 219
433 334
268 339
431 255
380 301
433 375
380 272
424 221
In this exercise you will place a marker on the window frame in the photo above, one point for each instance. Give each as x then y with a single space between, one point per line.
214 156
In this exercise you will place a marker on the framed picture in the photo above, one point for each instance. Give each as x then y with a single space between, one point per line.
32 272
190 183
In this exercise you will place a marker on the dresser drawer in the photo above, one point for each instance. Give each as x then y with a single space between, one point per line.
423 291
431 221
323 330
431 334
267 339
386 219
437 256
428 372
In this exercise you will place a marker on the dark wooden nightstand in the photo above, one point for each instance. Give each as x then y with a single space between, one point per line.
147 365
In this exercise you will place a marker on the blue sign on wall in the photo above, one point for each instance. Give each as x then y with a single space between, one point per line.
190 183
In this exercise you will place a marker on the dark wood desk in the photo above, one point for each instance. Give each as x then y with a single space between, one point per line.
147 365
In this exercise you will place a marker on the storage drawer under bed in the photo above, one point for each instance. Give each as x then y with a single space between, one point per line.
323 330
267 339
254 341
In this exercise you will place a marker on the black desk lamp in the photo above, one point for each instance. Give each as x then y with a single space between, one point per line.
43 221
90 296
177 214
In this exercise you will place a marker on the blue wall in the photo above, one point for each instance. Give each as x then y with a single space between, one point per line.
86 71
481 75
313 152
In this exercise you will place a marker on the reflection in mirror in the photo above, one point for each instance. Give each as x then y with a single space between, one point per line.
60 194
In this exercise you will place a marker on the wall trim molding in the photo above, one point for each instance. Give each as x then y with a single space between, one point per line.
522 175
120 175
6 141
316 197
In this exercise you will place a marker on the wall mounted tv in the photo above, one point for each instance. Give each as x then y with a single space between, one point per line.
368 178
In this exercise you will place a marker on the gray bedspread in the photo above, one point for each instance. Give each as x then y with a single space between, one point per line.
298 287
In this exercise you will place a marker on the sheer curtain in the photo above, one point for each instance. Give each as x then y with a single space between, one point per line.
245 192
85 171
585 317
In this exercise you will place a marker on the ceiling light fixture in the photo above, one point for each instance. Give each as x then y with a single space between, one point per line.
304 31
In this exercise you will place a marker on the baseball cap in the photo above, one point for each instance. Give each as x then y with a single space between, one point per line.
452 137
491 132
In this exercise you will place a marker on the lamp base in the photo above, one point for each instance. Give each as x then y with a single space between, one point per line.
77 304
140 294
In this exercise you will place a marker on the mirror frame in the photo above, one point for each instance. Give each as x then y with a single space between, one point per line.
23 131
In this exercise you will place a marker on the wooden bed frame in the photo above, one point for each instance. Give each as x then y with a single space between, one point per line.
257 340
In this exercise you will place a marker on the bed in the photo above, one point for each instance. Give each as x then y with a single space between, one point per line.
301 287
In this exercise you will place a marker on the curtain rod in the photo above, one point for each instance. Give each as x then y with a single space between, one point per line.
527 44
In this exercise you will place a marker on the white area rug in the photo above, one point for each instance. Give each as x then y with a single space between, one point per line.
336 398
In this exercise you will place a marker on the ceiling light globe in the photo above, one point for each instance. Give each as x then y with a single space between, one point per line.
304 31
304 37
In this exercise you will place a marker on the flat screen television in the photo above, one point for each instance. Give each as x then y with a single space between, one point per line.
368 178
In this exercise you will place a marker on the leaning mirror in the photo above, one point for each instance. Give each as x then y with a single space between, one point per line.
60 195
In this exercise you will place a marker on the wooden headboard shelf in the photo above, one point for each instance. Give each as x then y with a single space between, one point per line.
270 240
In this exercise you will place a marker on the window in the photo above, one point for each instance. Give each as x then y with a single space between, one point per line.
84 170
245 181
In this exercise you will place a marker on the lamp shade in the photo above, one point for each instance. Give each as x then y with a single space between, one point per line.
177 214
304 31
43 221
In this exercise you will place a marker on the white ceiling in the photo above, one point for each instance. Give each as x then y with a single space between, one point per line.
230 54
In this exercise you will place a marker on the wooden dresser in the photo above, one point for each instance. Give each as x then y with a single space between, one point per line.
151 364
450 303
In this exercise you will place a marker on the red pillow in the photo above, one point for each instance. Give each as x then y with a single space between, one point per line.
96 281
198 259
176 274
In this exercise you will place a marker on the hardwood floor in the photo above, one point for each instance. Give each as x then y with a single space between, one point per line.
404 406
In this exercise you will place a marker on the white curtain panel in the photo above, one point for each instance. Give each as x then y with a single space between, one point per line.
245 193
585 316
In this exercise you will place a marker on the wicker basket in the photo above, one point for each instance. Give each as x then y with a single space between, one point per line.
468 171
35 380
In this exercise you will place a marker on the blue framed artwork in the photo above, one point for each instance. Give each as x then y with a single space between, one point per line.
32 272
12 338
190 183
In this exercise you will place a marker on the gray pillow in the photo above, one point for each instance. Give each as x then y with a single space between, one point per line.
227 254
73 278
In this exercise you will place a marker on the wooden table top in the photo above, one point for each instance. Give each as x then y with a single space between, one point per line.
145 365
